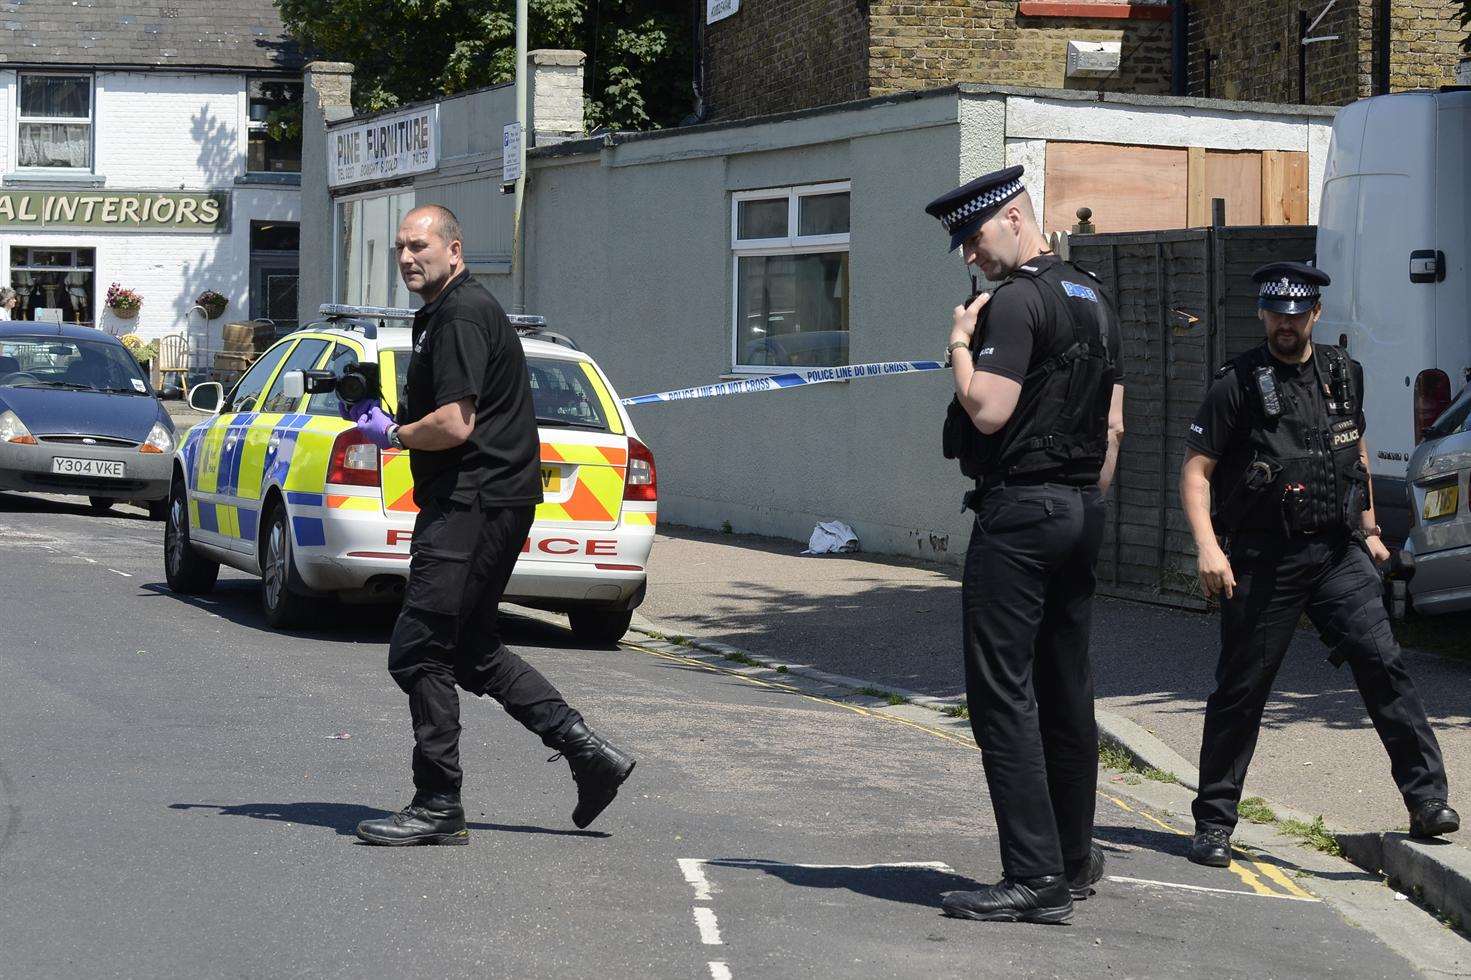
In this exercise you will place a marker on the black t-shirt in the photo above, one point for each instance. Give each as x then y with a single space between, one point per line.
464 347
1223 420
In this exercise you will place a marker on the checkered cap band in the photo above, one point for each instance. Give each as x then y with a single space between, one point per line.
991 198
1285 288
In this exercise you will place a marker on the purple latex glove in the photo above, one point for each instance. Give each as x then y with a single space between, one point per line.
375 423
357 409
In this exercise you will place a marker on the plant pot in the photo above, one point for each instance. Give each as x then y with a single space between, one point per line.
126 314
214 311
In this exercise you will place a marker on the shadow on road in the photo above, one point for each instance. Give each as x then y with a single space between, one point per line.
12 502
344 817
892 883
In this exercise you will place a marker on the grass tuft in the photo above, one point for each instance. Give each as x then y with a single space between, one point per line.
957 711
1256 810
889 696
741 658
1314 835
781 668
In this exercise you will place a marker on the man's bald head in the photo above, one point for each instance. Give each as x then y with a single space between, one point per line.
442 221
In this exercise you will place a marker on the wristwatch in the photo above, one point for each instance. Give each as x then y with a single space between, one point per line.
393 439
952 347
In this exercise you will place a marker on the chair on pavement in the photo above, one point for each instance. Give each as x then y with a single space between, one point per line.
173 358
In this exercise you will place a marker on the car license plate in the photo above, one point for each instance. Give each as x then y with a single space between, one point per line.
551 479
1442 501
112 468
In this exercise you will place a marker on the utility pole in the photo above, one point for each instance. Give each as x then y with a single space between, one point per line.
518 233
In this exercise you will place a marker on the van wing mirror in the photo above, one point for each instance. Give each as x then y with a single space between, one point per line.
207 397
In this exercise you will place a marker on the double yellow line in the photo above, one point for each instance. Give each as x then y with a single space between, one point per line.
1251 876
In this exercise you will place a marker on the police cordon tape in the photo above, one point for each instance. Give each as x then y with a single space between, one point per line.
792 379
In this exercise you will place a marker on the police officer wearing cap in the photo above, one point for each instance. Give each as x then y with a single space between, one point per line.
469 422
1278 448
1036 422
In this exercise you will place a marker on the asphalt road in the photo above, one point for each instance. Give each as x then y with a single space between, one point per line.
176 799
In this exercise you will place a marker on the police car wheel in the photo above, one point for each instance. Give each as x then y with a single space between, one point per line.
187 571
283 607
600 626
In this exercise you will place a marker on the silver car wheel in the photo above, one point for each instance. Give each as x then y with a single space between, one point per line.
275 564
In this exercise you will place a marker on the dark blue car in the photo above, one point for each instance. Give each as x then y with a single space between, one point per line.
78 416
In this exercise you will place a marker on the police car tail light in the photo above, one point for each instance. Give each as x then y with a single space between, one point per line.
354 460
1432 398
12 429
642 483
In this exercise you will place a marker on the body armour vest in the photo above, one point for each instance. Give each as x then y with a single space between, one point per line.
1061 416
1298 472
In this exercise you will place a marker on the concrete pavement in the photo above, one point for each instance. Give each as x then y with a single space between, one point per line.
177 802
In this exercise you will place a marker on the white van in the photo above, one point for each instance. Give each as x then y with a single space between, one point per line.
1394 232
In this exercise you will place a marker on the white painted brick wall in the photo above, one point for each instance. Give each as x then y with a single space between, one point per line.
165 131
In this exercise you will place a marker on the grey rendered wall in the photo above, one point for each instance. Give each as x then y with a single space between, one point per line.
629 252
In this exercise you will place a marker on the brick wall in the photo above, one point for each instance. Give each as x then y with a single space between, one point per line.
917 45
777 57
1425 36
1252 46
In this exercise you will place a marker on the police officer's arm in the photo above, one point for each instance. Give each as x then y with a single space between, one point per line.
989 395
1369 521
444 428
1115 437
1210 436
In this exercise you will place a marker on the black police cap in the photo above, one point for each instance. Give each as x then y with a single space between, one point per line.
965 209
1289 287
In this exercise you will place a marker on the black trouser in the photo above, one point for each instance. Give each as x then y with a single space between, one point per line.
1028 595
1331 578
462 558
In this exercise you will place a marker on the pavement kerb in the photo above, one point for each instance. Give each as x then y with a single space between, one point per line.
1435 873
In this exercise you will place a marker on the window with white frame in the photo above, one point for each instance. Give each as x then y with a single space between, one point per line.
791 277
54 121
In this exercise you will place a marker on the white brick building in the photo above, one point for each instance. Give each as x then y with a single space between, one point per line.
144 159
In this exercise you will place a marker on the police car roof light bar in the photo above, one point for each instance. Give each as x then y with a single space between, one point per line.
535 328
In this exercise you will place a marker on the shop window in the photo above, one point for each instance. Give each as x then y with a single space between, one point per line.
54 122
790 250
367 273
54 284
275 127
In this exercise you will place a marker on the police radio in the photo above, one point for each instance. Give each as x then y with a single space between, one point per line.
1266 386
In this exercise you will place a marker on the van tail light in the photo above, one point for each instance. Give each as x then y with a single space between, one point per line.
642 483
1432 397
354 460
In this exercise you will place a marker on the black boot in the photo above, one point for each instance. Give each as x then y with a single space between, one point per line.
1433 818
432 818
1083 876
1211 847
598 768
1046 900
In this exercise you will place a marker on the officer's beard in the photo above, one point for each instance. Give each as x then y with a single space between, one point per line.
1287 344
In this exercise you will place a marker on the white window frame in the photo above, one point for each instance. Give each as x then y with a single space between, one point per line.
791 244
73 266
91 122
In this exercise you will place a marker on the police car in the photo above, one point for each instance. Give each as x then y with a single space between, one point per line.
277 484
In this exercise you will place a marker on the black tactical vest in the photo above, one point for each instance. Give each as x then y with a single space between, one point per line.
1299 472
1061 417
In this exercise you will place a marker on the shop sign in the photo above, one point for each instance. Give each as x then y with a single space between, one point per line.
202 213
385 148
720 9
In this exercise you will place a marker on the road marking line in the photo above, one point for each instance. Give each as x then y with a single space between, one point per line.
709 928
1202 888
719 971
1275 873
752 863
694 873
1248 879
116 572
90 561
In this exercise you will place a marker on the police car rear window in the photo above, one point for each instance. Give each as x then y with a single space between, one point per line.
560 391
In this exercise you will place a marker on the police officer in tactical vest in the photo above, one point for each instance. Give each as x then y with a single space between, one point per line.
470 425
1036 422
1278 448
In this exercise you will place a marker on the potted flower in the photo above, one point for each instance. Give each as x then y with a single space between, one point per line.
214 303
123 302
142 351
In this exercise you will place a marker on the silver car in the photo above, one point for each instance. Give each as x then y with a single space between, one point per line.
78 416
1439 479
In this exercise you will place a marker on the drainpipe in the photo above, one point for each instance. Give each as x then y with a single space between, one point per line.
518 217
1380 47
1179 48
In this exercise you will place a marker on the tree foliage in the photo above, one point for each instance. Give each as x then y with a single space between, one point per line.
637 74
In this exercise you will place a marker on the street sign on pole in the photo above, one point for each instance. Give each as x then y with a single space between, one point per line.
511 153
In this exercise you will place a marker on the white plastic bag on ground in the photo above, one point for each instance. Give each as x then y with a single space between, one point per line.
831 538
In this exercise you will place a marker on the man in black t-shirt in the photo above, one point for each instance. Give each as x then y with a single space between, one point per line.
1039 393
470 425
